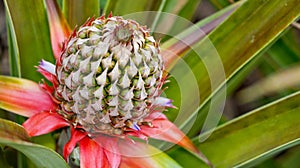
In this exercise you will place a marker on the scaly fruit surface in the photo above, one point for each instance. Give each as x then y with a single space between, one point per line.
109 74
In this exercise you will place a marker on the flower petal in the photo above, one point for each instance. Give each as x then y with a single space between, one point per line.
136 155
111 149
59 28
75 138
23 97
43 123
92 154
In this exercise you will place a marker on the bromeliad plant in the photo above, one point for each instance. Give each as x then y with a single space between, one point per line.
105 85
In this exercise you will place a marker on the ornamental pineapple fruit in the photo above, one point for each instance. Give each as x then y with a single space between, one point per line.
109 74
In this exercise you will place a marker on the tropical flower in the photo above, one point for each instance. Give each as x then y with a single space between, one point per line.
105 87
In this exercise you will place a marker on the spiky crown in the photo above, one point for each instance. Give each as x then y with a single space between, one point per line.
110 73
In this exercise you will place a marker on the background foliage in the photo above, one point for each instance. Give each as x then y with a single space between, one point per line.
257 42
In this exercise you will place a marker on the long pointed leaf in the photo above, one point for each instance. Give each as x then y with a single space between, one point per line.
285 51
13 49
175 48
234 49
249 138
13 135
32 34
120 7
183 9
78 11
142 11
181 43
220 3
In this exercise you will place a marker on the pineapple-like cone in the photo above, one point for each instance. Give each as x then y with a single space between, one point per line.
110 75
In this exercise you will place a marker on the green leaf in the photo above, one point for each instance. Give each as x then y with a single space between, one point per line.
181 78
248 139
180 44
31 32
220 3
78 11
156 14
14 136
143 11
235 50
290 158
283 53
121 7
13 50
183 9
3 159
